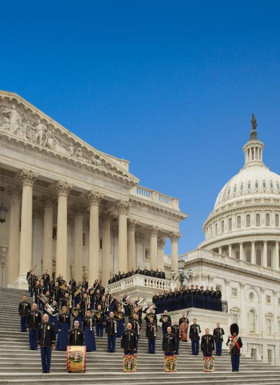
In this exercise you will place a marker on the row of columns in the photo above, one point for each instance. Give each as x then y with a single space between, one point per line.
242 254
20 247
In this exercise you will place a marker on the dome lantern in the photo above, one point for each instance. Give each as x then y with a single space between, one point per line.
253 149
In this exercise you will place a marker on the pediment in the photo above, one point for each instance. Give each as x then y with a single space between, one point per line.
21 121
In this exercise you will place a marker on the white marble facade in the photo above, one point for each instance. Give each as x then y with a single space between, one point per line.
72 209
240 253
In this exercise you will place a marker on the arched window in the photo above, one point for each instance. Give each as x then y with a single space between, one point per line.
248 220
258 219
259 256
277 220
269 259
267 219
230 224
248 255
252 322
239 222
223 226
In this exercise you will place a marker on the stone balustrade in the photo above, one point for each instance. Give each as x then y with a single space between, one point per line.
155 196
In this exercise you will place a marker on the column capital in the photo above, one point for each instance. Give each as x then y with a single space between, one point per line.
161 243
175 237
123 207
63 188
227 281
153 230
48 201
106 216
14 193
132 224
78 209
28 177
94 198
139 237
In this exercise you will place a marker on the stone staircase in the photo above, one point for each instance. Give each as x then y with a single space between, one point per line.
19 365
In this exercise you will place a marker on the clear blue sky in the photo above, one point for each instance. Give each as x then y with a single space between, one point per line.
168 85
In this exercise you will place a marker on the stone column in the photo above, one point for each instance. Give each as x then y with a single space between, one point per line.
153 247
37 239
220 250
14 193
131 255
48 202
229 251
28 178
79 211
123 209
63 188
264 253
106 247
115 231
243 322
253 257
276 259
139 249
241 251
94 240
161 244
174 251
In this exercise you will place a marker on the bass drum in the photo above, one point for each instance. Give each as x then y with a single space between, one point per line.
76 359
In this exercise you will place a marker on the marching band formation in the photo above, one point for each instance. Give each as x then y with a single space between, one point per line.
70 313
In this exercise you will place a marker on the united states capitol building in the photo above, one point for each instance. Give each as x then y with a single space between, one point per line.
240 252
78 212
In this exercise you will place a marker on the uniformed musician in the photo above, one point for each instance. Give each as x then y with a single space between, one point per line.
63 329
111 330
77 315
46 341
76 335
194 337
218 338
88 324
33 321
169 343
99 320
177 332
235 347
151 334
23 310
165 319
207 344
129 340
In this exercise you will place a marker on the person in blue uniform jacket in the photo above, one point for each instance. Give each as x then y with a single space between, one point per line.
63 329
23 310
34 320
218 337
129 340
88 323
46 341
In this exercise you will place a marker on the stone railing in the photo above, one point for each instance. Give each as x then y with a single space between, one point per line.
155 196
138 280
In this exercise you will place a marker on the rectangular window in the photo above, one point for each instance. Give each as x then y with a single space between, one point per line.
234 292
268 299
268 326
84 239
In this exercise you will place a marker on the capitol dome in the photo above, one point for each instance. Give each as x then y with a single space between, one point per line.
245 222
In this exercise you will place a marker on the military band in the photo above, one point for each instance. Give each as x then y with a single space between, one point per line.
76 335
218 338
235 347
46 341
34 320
194 337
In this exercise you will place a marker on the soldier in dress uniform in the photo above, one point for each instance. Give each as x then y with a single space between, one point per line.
77 315
177 332
46 278
138 270
218 338
194 337
33 321
169 343
151 334
166 321
88 324
76 335
162 274
99 321
207 344
135 324
235 347
63 329
111 330
46 341
23 310
119 316
129 340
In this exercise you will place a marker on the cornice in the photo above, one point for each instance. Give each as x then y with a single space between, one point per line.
250 234
226 267
138 202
